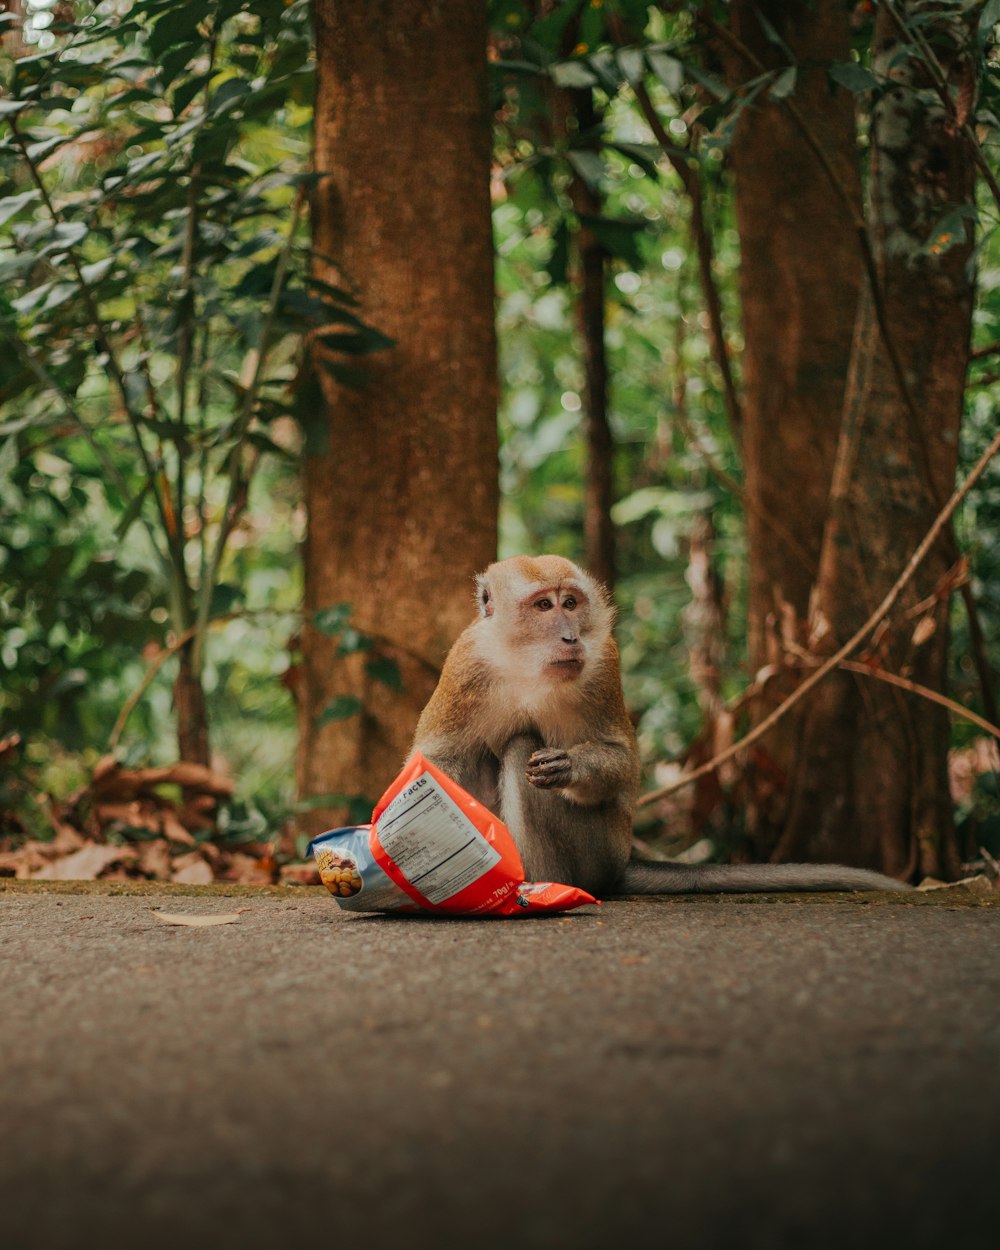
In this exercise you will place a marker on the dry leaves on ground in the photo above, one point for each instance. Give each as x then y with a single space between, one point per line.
146 824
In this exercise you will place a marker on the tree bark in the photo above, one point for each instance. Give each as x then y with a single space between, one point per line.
402 501
800 275
190 711
599 493
799 283
873 766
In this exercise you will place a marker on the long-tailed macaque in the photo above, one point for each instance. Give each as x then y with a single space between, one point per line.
530 718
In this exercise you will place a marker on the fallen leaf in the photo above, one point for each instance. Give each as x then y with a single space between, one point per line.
197 921
192 870
299 874
84 865
154 859
249 870
174 830
980 885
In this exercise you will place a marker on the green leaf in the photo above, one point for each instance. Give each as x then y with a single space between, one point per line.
784 84
605 66
132 512
667 69
645 155
353 641
854 77
332 621
618 237
343 707
358 343
950 231
572 75
632 62
385 670
9 107
773 36
48 295
558 263
178 25
96 271
12 204
68 234
228 95
588 165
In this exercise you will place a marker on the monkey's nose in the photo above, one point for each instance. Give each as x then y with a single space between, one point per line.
572 641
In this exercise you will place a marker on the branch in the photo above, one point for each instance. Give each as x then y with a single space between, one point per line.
97 325
728 482
924 692
104 459
703 248
883 610
940 79
257 356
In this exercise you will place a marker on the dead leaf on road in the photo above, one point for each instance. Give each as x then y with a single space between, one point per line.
197 921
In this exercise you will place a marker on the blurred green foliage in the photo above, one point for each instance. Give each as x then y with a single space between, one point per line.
82 591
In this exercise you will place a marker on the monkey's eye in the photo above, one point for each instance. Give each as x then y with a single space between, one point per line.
569 602
486 597
543 605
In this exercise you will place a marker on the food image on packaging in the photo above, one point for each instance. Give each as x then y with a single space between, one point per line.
339 873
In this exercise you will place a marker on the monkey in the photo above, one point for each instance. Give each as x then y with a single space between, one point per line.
529 717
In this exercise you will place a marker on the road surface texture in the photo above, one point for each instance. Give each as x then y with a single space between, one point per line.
678 1073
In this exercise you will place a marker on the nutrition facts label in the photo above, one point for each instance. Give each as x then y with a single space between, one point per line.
437 847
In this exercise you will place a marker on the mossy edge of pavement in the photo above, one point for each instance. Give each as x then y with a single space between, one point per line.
959 896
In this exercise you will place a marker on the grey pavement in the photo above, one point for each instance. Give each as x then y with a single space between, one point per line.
658 1072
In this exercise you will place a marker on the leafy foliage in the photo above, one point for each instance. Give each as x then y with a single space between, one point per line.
156 301
155 297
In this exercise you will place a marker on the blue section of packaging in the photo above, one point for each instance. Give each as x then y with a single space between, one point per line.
349 871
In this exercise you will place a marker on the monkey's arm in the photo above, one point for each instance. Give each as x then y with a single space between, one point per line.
587 772
642 877
452 729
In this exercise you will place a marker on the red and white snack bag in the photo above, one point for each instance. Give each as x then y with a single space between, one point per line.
432 847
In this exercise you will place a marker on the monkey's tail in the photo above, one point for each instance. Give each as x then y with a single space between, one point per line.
645 877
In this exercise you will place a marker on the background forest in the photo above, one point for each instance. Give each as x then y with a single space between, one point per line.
747 324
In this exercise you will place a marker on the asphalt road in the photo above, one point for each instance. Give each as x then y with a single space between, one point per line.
661 1072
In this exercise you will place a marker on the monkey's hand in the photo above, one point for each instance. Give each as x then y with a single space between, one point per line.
550 769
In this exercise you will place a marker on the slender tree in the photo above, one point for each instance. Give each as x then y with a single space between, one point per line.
402 490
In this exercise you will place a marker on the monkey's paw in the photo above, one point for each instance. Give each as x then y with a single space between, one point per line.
550 769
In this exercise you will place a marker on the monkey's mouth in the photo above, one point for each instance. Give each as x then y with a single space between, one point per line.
569 667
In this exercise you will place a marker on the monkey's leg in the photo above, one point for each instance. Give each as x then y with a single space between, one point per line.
558 840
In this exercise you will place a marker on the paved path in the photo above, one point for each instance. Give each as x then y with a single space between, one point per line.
661 1073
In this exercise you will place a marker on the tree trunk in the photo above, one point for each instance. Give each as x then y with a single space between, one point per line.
191 712
799 281
402 501
872 773
575 111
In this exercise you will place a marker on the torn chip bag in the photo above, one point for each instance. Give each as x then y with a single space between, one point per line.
432 847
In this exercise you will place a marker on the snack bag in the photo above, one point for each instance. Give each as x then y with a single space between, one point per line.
432 847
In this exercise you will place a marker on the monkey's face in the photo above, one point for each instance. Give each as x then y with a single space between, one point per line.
543 619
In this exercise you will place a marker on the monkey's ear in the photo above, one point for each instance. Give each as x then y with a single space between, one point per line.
483 596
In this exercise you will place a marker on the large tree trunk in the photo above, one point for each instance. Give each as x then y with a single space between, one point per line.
872 771
799 282
402 501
